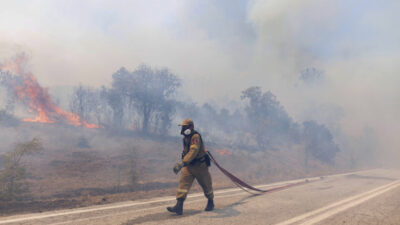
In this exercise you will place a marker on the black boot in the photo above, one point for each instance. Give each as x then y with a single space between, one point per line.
178 208
210 205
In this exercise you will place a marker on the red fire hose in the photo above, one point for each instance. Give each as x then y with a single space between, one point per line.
246 187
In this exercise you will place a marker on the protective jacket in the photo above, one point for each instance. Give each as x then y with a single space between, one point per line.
193 150
196 164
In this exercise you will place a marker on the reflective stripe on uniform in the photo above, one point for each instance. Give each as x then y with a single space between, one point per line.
182 190
194 147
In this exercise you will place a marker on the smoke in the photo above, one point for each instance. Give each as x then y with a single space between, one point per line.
23 86
220 48
352 43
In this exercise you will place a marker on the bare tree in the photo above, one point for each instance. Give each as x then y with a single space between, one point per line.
77 103
94 105
84 102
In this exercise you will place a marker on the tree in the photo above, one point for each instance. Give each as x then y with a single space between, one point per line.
13 172
148 91
88 104
311 76
102 110
319 142
153 87
115 101
78 101
268 120
165 116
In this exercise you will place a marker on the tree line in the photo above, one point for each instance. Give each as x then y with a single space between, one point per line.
144 100
141 100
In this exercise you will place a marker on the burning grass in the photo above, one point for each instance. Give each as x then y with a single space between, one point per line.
26 89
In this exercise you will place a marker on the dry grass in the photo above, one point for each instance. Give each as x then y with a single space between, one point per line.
65 175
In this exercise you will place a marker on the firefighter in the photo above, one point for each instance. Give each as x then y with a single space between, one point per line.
194 165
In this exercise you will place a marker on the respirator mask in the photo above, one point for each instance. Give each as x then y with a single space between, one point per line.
186 131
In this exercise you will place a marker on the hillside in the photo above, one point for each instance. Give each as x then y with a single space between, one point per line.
81 166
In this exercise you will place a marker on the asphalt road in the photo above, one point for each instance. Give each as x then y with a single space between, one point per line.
365 197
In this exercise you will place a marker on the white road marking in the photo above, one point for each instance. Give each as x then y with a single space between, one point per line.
339 206
144 209
347 206
35 216
123 205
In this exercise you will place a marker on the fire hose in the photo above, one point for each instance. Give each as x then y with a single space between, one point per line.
246 187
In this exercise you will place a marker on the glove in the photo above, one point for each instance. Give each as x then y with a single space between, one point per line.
178 166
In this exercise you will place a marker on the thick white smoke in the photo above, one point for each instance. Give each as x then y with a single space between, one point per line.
220 48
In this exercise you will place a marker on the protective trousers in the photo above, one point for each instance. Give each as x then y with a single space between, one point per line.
200 172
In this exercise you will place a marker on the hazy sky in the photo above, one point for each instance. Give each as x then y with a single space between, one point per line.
221 47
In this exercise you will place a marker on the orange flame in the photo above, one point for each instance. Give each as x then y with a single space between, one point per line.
37 98
223 152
